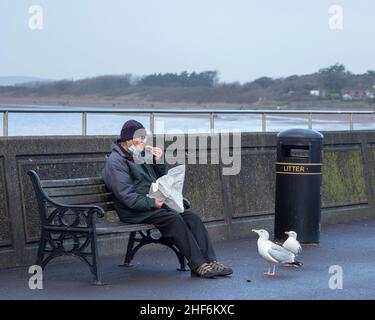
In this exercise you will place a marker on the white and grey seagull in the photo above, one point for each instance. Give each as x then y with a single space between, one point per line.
292 243
273 253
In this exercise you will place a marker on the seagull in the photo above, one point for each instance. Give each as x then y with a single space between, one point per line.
273 253
292 243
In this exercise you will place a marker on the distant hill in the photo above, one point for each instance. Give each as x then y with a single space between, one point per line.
334 83
16 80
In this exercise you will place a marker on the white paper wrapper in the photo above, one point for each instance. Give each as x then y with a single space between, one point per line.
170 187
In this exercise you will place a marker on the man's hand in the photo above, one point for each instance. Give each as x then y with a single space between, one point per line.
157 152
158 202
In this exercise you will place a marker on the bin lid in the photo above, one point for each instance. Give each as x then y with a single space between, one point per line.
300 133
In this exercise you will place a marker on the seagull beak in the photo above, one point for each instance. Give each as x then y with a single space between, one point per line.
287 232
254 230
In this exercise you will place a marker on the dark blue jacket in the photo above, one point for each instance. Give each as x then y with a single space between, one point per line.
129 183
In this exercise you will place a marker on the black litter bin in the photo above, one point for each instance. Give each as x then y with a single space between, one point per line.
298 183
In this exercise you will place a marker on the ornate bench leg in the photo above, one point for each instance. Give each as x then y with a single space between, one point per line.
45 256
146 239
41 248
181 260
95 270
129 251
180 256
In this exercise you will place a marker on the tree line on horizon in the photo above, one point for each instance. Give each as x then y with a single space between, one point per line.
205 87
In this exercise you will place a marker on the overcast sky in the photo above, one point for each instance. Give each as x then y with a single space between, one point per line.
242 39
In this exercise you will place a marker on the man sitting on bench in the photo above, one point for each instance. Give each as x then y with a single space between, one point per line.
130 181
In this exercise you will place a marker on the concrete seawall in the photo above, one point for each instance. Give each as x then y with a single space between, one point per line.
229 205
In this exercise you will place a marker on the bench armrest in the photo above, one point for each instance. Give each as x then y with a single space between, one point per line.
91 209
187 203
71 216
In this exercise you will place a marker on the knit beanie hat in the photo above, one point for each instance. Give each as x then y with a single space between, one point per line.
132 129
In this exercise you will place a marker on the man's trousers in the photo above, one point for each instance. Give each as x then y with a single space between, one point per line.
187 232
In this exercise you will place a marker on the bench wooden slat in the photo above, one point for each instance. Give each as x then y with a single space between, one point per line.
85 199
71 182
76 191
108 207
121 227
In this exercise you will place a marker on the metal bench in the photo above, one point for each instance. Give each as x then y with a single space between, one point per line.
68 211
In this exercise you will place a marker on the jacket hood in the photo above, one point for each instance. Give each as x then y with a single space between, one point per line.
117 149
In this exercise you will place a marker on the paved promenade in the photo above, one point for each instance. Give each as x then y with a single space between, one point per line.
154 275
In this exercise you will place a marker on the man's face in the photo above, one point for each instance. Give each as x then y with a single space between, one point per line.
138 142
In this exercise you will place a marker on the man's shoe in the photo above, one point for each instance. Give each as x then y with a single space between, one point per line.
220 268
204 271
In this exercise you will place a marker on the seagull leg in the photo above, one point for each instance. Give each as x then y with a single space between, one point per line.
274 268
269 270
